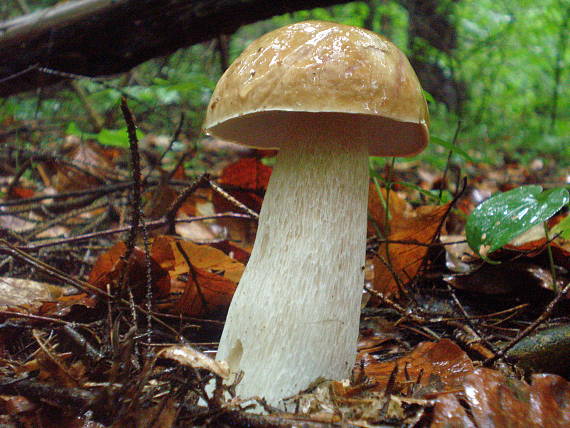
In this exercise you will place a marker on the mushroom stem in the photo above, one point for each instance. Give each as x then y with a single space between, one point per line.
295 315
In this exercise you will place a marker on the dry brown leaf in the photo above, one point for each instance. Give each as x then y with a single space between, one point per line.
24 292
442 365
403 260
205 293
494 400
206 258
88 156
110 266
246 180
188 356
212 276
63 305
377 200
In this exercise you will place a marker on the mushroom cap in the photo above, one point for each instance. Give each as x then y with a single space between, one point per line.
321 79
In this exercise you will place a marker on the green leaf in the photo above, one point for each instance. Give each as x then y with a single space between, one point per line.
429 97
453 148
562 229
116 137
504 216
73 129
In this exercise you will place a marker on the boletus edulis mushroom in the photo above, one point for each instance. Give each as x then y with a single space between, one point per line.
328 96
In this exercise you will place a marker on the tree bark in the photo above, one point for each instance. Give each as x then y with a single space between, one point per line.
105 37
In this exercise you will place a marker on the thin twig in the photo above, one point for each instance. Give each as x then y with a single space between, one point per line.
543 317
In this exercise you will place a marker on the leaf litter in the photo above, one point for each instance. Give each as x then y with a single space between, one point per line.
89 339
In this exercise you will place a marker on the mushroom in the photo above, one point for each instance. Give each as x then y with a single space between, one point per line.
328 96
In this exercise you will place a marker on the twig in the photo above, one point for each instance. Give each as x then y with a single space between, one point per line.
473 330
137 214
151 225
233 200
171 214
543 317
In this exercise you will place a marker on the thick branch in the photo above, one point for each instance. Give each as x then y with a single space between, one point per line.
104 37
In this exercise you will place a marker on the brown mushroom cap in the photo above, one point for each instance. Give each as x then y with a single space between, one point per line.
337 80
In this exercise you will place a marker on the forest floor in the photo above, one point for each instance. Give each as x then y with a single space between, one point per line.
111 314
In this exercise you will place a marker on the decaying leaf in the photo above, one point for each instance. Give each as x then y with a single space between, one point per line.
436 366
543 351
503 278
494 400
204 257
400 262
188 356
110 268
246 180
24 292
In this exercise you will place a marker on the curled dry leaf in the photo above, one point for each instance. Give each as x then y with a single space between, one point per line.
110 268
27 293
190 357
418 228
96 162
212 276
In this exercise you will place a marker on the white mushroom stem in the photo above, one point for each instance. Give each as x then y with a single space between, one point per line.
295 315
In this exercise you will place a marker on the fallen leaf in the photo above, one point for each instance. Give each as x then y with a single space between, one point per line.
494 400
94 166
449 413
110 268
403 260
212 276
206 258
188 356
30 294
246 180
377 202
442 365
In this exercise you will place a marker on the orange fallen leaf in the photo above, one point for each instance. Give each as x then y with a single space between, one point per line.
246 180
378 199
110 268
442 365
205 293
403 260
206 258
493 400
212 276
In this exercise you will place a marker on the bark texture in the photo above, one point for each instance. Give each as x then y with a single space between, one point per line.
105 37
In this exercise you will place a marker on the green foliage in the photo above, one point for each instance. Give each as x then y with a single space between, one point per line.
509 55
562 229
513 57
504 216
453 148
107 137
